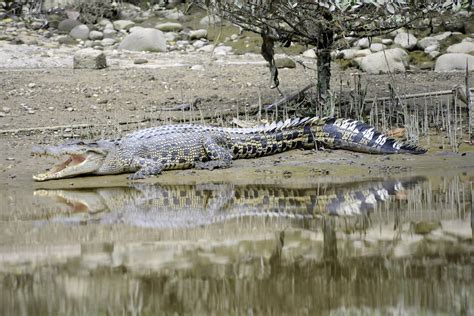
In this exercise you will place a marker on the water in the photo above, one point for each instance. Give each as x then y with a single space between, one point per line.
400 246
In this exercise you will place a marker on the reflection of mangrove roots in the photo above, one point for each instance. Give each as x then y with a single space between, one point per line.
290 98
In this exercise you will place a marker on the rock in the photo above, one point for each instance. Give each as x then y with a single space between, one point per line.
363 43
140 61
454 62
434 54
108 41
387 41
182 43
199 44
89 58
197 67
222 50
349 53
80 32
146 39
285 62
210 20
172 14
32 85
442 36
67 40
96 35
198 34
427 41
67 25
169 27
463 47
468 27
129 11
171 36
6 109
135 28
393 60
36 25
104 22
454 25
377 47
88 43
310 53
123 24
206 49
405 40
363 53
431 48
109 33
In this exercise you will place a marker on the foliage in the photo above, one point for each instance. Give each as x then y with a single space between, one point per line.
91 11
303 20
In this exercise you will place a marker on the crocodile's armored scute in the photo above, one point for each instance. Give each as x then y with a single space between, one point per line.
149 151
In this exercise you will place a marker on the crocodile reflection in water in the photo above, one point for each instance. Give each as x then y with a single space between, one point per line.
181 206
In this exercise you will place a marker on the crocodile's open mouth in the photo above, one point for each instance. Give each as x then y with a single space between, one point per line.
75 164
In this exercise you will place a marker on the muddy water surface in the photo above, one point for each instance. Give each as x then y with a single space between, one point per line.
372 246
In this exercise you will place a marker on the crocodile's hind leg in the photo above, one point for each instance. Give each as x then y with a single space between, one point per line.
219 156
146 168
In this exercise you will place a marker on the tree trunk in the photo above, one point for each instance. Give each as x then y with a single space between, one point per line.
323 54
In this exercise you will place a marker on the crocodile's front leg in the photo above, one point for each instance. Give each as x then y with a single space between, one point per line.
146 168
219 156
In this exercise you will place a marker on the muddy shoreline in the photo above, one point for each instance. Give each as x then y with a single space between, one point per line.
44 98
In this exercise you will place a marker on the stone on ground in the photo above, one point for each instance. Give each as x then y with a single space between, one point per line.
67 25
96 35
405 40
390 60
427 42
89 58
463 47
80 32
454 62
198 34
284 62
145 39
169 27
123 24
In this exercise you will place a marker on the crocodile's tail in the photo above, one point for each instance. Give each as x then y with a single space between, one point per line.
358 136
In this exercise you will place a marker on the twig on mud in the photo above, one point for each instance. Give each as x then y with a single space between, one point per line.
289 98
417 95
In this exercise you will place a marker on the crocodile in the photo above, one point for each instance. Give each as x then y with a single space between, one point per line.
148 152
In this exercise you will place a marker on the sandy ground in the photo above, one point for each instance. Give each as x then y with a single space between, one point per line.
44 91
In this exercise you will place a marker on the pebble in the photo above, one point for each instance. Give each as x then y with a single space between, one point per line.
6 109
3 114
31 85
197 67
51 108
140 61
